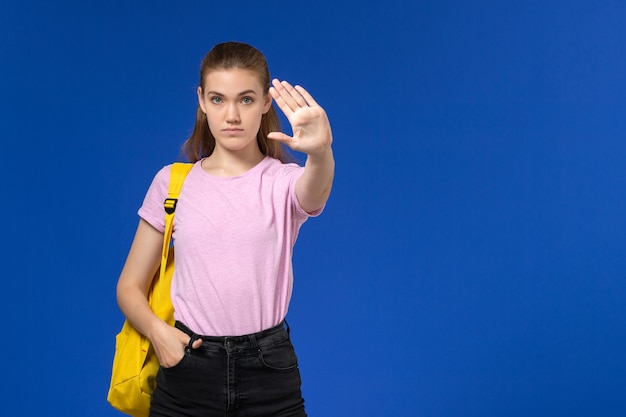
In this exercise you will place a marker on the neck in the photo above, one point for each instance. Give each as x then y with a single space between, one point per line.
225 163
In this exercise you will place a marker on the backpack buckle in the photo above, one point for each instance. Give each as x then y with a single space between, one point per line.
170 205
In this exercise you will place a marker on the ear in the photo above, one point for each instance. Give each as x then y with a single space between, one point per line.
201 100
268 102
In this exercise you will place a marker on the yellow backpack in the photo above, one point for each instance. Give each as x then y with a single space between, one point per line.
135 364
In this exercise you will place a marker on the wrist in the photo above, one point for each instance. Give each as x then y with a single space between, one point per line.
154 328
321 154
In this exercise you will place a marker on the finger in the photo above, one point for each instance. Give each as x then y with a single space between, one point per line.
280 102
289 105
294 94
308 97
289 95
196 344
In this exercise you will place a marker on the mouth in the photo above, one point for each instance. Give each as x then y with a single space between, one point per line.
232 131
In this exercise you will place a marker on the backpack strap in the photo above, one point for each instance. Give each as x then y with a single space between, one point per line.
177 177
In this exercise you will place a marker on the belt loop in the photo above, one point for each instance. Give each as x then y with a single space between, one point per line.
253 341
287 325
193 338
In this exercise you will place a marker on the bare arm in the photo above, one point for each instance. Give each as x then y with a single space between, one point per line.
311 135
313 187
132 289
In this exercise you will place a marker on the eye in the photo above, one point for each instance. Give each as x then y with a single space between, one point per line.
247 100
216 100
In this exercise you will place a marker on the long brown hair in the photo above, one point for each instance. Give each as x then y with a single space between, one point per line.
230 55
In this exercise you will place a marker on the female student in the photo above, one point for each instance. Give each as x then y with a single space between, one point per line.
237 219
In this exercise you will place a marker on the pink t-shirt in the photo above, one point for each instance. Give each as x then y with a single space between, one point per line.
234 240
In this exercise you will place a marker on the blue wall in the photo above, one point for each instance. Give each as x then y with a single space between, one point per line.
470 261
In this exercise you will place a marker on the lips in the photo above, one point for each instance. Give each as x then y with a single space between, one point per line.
232 130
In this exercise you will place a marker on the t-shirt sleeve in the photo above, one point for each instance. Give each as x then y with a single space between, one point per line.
152 208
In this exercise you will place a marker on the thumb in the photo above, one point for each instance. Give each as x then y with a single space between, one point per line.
279 136
196 344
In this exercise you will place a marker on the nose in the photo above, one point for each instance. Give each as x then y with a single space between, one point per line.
232 114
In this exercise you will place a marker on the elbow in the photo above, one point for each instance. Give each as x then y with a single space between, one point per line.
311 204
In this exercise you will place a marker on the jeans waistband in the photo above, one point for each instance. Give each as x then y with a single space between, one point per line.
252 341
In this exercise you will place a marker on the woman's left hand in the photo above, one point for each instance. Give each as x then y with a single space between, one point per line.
311 129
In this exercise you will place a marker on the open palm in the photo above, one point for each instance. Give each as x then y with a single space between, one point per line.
309 123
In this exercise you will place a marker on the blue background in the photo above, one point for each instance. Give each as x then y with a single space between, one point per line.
470 261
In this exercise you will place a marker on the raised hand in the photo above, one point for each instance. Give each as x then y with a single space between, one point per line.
311 130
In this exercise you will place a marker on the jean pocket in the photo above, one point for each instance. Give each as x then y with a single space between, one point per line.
278 357
179 364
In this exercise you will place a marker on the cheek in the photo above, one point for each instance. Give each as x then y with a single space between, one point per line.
252 115
212 122
258 119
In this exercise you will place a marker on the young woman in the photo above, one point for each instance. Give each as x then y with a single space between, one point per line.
237 219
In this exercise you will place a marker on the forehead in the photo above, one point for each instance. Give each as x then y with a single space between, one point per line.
232 81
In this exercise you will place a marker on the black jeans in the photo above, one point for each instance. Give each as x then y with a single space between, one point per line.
254 375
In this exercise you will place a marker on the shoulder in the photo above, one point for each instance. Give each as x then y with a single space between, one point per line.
163 174
161 180
161 177
274 167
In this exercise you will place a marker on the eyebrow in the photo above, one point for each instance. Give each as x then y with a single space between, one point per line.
243 93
